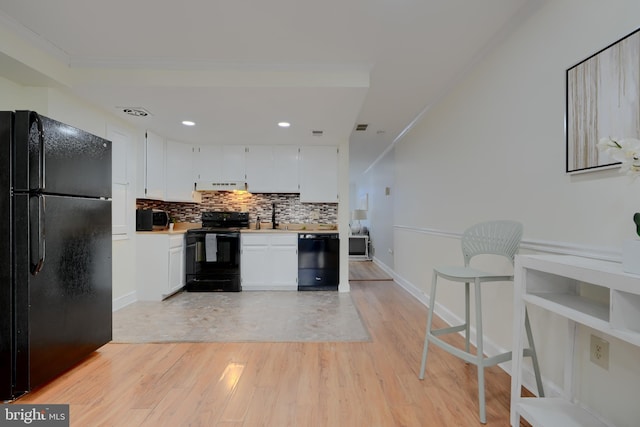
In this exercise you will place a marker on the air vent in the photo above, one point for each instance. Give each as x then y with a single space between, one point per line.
317 132
361 127
135 111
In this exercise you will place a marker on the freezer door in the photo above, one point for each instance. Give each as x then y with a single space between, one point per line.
56 158
63 312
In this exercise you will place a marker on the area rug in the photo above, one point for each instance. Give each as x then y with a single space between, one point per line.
278 316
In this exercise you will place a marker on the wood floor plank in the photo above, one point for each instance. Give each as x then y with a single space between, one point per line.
309 384
366 271
236 408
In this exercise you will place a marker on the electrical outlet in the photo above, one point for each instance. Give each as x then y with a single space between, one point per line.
315 215
599 353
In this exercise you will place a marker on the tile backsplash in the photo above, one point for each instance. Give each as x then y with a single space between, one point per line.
289 209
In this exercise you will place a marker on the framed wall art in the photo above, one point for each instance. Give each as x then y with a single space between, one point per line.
603 100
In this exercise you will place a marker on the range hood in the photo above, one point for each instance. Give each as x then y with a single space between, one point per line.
221 186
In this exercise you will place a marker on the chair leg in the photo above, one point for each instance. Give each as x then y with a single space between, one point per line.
432 303
534 356
467 323
480 353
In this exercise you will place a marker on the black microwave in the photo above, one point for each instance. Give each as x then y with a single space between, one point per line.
151 219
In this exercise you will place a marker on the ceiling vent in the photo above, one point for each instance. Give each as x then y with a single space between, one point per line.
361 127
135 111
317 132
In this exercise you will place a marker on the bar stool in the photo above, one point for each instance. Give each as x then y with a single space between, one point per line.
495 238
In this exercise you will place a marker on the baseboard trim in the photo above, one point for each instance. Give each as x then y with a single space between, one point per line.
124 301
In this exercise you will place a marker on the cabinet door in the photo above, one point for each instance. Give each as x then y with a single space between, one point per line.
233 163
120 214
179 174
260 169
207 163
319 174
152 268
176 270
119 211
154 154
285 169
255 267
284 265
219 163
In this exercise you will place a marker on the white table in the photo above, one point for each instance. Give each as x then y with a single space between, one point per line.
553 282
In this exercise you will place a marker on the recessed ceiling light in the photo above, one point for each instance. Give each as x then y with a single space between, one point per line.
188 123
284 124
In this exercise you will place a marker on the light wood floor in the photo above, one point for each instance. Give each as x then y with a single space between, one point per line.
366 271
285 384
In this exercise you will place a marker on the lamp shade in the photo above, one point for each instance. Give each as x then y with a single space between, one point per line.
359 214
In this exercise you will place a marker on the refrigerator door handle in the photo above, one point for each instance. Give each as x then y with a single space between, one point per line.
37 234
34 117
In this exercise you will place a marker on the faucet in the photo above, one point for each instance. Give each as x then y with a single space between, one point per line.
274 224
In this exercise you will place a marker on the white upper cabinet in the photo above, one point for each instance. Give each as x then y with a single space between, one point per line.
259 164
173 167
154 167
168 170
272 168
207 162
285 168
319 174
179 172
233 163
219 163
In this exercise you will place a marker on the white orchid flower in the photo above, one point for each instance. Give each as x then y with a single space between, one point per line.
626 151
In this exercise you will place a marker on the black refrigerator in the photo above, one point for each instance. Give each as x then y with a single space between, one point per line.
55 249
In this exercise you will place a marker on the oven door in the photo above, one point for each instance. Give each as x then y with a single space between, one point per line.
212 261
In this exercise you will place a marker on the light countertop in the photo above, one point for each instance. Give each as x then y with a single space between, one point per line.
265 227
279 230
178 228
182 227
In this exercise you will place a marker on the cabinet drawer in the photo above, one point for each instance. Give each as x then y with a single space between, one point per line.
288 239
176 241
255 239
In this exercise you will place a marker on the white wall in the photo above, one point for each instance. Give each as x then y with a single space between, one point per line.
343 214
381 207
494 148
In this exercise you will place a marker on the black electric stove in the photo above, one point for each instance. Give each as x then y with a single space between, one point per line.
213 252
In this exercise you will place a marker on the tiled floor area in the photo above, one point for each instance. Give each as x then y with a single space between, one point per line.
244 316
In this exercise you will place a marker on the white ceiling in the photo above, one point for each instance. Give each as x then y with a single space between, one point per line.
237 68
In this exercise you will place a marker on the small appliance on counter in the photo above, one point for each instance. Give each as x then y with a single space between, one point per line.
151 219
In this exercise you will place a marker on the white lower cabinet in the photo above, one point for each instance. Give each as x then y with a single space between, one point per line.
269 261
160 272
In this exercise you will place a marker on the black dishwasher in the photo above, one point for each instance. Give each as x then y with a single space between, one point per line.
318 261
